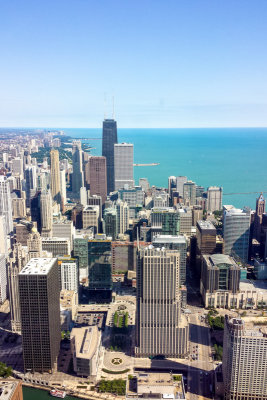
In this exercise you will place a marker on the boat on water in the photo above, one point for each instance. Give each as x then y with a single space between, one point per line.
58 393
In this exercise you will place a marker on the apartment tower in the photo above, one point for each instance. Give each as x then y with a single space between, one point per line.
244 360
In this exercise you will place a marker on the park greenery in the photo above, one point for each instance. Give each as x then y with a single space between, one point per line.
5 371
218 352
65 335
117 386
177 378
45 152
108 371
214 320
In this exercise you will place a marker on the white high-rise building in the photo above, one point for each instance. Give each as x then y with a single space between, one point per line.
5 204
63 229
46 213
90 216
122 210
123 163
214 198
161 328
83 196
236 229
69 277
180 181
3 279
244 360
3 239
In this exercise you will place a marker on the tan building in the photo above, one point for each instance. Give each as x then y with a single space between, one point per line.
18 208
206 237
55 176
161 329
85 344
90 217
10 389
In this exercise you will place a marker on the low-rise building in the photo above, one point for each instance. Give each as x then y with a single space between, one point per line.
10 389
220 279
85 343
153 385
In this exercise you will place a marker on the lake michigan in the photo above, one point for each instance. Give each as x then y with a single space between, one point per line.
234 158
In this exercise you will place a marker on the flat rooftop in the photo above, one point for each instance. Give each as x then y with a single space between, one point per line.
86 341
156 385
38 266
206 224
7 389
170 239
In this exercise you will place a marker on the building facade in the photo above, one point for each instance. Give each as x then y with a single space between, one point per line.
123 165
214 198
161 329
98 177
55 176
244 361
39 294
5 204
109 138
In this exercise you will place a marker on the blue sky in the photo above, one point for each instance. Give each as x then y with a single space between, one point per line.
168 63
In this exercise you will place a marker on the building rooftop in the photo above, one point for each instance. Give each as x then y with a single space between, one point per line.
86 341
91 208
206 224
170 239
55 239
38 266
7 388
155 385
216 259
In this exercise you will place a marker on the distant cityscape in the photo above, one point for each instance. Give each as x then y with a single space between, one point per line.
112 288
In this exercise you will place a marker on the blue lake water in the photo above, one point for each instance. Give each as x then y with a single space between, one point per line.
235 158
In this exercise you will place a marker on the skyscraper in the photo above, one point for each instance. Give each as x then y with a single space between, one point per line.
236 229
214 198
109 138
3 279
260 210
17 261
46 213
5 204
123 163
39 294
77 168
189 193
161 328
30 178
98 177
122 211
180 181
55 176
244 360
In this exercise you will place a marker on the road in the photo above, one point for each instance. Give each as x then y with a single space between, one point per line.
200 368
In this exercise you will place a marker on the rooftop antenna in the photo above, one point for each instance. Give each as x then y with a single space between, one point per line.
105 106
113 112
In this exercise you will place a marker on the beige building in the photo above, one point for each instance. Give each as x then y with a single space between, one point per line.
18 208
85 344
10 389
56 246
244 360
55 176
90 217
161 329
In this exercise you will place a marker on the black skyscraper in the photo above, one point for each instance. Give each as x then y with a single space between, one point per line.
109 138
